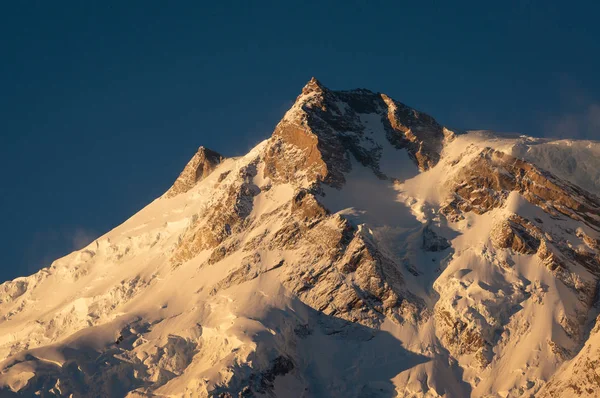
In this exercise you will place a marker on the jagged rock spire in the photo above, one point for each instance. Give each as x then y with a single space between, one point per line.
198 168
313 85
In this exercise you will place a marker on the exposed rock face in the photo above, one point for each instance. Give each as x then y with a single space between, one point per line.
517 234
227 216
492 175
353 280
201 165
416 131
581 377
324 128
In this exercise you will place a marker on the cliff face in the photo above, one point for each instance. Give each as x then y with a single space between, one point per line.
327 128
580 377
362 250
197 169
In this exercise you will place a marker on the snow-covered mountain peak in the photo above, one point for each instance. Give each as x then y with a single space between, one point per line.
329 128
362 250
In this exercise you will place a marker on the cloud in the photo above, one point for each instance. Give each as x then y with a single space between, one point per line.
583 124
579 114
48 245
81 237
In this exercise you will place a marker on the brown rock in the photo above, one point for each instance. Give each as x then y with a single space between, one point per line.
198 168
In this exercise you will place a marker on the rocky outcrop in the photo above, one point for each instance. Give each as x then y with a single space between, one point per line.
417 132
581 376
228 215
324 128
350 278
524 237
463 336
517 234
198 168
488 179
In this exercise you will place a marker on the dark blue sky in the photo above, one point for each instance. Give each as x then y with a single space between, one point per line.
102 105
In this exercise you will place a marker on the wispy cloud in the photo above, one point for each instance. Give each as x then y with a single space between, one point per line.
50 244
579 116
583 124
81 237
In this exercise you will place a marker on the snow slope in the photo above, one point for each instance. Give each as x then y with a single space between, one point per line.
362 250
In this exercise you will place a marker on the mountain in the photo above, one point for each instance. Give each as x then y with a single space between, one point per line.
363 250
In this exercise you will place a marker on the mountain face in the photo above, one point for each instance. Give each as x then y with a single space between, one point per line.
363 250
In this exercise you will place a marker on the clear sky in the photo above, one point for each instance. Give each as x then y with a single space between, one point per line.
103 103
